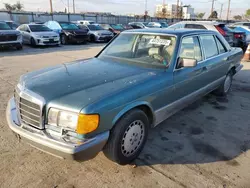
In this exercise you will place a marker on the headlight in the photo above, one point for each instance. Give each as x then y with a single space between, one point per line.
38 36
80 123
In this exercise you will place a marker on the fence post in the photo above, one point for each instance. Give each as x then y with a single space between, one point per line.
32 14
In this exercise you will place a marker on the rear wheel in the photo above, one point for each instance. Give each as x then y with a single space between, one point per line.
127 138
225 87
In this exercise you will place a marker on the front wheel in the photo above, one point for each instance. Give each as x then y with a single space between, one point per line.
225 87
64 40
127 138
33 42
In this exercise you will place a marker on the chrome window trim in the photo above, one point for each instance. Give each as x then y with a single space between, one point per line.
32 97
179 49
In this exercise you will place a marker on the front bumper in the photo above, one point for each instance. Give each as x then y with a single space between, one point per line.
47 41
42 140
78 38
103 38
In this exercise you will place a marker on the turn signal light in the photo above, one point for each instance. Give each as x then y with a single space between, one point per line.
87 123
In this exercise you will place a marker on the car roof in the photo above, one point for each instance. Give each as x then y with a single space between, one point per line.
178 32
202 22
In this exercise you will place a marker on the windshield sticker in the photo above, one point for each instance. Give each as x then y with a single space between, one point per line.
160 42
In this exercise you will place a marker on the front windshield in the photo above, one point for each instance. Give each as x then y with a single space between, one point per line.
69 26
39 28
95 27
116 27
142 48
164 24
4 26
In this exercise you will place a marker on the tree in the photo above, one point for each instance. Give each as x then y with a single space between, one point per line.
248 13
9 7
214 15
18 6
200 15
238 17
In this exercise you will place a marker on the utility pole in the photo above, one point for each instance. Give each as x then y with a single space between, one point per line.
68 7
212 9
74 8
228 10
177 9
146 10
51 6
221 11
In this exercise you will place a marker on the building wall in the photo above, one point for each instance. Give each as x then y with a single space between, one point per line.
188 12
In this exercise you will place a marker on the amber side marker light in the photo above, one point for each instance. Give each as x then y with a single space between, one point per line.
87 123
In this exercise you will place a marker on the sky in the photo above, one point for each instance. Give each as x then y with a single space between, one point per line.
130 6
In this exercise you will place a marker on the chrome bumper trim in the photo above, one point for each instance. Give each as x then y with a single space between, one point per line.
40 139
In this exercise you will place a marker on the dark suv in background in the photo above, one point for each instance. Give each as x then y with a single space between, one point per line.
9 37
69 32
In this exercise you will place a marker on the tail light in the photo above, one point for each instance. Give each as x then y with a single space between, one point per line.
221 31
238 36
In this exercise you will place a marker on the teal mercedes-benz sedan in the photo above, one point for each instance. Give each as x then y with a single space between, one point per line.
109 102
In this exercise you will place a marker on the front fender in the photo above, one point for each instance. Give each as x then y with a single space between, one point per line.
130 107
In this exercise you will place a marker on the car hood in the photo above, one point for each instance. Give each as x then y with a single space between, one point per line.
77 32
8 32
81 83
46 33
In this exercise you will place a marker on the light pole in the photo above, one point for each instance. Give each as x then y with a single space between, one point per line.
228 10
51 6
74 8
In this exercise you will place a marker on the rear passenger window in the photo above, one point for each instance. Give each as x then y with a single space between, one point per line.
209 45
221 48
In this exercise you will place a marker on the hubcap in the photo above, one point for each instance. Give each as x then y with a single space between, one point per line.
133 138
227 84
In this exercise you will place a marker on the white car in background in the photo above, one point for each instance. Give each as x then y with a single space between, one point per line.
85 22
38 34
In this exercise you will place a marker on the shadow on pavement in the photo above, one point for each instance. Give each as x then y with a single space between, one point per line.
210 130
28 50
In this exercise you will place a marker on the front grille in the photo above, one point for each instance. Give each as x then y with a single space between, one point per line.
30 112
4 38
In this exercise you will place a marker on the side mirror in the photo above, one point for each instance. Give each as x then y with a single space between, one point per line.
28 31
187 63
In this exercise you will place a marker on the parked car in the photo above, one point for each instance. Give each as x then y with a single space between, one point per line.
114 28
10 37
126 27
38 35
85 22
242 27
139 25
157 25
97 33
109 102
13 25
234 39
69 32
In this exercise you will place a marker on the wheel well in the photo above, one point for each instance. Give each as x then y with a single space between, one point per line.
233 69
148 112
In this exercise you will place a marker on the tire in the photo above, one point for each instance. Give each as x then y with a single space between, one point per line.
64 40
127 138
225 88
92 38
19 47
33 42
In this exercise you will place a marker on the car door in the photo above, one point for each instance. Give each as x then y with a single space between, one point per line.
26 34
187 80
216 57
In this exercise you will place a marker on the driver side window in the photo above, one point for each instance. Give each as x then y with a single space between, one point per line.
190 49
